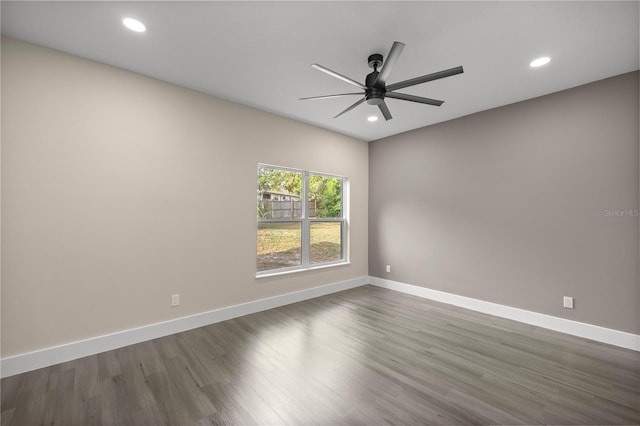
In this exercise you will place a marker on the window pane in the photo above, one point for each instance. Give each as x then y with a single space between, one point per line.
325 196
279 245
326 242
279 194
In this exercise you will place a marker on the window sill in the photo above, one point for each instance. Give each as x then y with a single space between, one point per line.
296 271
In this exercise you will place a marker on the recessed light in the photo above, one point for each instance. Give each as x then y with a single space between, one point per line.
540 62
134 25
372 118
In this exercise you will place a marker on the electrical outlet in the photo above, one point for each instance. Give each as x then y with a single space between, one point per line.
567 302
388 268
175 300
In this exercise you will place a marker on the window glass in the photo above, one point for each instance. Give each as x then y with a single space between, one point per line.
279 194
301 221
325 242
325 196
279 245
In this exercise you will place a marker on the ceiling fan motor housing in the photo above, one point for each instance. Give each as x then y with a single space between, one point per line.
374 96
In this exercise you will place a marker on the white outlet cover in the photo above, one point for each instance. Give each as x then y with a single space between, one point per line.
175 299
568 302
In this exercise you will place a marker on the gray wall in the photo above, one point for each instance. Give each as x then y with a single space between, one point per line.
518 205
116 191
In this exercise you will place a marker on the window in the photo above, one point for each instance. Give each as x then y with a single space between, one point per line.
301 220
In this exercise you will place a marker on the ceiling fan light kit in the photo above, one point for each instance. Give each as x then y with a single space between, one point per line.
375 88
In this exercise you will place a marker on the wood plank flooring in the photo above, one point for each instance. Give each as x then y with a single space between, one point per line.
365 356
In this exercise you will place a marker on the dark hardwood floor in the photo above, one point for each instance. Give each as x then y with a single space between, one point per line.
363 357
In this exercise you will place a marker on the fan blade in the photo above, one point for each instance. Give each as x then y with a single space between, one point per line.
313 98
339 76
351 107
385 111
392 57
425 78
412 98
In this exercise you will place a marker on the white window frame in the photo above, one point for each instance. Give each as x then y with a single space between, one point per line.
306 221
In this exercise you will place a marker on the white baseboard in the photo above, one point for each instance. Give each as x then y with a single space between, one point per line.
53 355
588 331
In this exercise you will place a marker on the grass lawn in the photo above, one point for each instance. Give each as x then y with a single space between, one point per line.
279 244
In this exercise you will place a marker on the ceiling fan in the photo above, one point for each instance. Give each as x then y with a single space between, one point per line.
375 87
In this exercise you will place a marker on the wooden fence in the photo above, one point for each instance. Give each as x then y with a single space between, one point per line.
289 209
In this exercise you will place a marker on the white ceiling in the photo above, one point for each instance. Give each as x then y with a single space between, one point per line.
259 53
